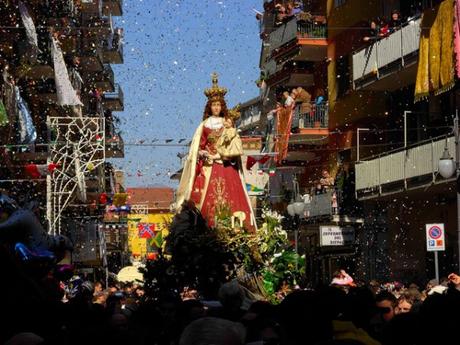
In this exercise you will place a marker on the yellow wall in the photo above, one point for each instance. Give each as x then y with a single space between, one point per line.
139 246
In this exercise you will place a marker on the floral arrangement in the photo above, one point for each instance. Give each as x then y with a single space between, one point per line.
202 258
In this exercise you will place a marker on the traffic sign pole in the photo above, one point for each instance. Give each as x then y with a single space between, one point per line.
435 242
436 266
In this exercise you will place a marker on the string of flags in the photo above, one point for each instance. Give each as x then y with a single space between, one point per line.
36 171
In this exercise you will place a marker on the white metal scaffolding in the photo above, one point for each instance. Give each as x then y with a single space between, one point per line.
78 148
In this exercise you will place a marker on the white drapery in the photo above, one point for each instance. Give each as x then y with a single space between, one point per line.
66 94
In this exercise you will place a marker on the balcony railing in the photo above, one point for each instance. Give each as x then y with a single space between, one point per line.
105 80
416 165
393 50
296 29
113 49
62 8
320 205
115 146
246 121
91 6
114 100
317 117
113 7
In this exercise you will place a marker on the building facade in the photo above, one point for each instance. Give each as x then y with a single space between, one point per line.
363 138
58 125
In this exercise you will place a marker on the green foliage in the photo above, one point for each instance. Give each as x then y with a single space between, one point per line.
202 258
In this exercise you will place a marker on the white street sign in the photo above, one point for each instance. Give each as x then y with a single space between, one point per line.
336 236
435 240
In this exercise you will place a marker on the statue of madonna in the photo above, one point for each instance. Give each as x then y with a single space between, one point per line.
212 177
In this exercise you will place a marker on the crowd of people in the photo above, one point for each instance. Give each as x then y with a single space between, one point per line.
344 312
286 10
382 27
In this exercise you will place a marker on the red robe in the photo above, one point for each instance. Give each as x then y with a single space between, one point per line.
224 193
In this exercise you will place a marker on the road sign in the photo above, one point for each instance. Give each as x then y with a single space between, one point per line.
435 240
336 236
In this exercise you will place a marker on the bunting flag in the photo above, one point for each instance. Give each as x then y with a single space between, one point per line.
252 188
66 94
256 159
40 170
157 240
29 25
272 172
3 115
146 230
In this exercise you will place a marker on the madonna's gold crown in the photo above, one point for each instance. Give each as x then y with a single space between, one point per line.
215 93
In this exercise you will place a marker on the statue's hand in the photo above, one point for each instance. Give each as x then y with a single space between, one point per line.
214 157
203 153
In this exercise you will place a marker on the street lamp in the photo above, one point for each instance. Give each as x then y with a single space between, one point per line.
296 209
446 168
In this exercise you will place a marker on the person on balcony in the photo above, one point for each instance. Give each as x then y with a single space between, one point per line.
374 31
281 14
327 181
395 22
298 8
304 98
289 10
289 99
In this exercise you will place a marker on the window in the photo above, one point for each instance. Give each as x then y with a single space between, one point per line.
338 3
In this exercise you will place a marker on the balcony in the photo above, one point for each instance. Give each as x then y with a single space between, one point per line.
249 120
316 118
114 100
115 147
113 7
91 7
304 41
403 169
104 80
91 60
292 77
391 62
320 206
101 27
62 8
113 48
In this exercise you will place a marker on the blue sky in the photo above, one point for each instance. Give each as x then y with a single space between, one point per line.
171 48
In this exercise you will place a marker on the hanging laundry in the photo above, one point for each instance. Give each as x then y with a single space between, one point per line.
27 131
9 98
66 94
3 115
31 32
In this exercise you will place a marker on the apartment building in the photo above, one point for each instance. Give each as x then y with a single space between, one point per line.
59 126
365 151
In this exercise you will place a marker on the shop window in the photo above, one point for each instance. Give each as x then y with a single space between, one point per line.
338 3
